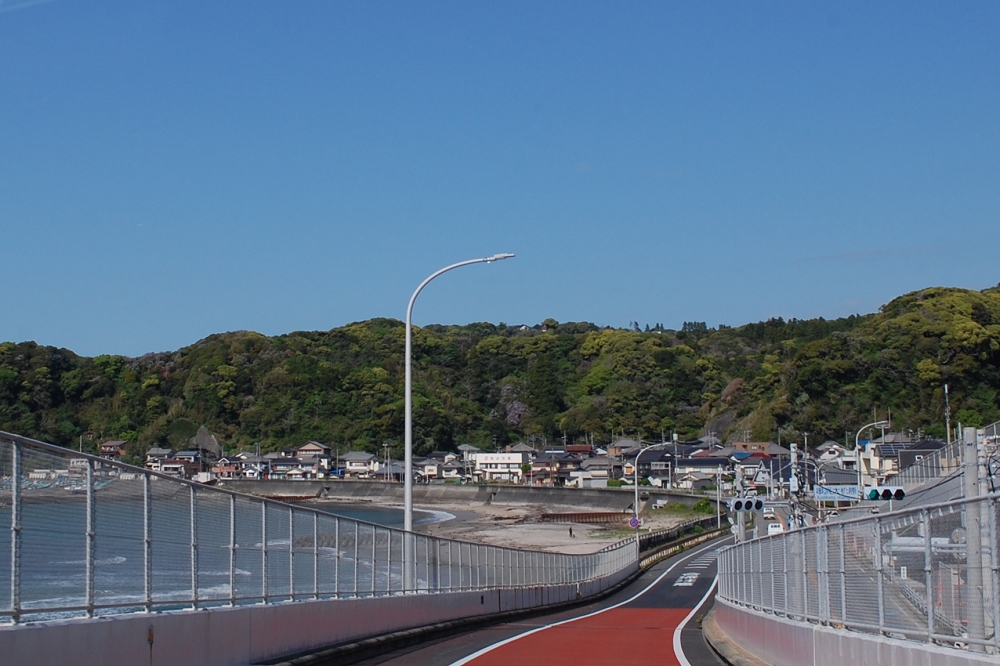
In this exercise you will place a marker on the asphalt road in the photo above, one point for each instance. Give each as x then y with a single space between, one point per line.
653 620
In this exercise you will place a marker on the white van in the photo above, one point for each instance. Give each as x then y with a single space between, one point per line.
774 528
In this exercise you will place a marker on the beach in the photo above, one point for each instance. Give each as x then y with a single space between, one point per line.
520 526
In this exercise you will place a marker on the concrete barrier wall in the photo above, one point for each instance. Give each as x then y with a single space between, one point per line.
604 499
783 642
249 634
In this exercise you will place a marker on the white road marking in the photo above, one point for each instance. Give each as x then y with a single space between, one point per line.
686 580
490 648
678 650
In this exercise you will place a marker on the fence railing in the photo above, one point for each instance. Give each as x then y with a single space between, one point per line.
944 462
659 537
928 574
89 536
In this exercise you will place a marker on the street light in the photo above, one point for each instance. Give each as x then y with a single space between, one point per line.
857 445
408 443
635 471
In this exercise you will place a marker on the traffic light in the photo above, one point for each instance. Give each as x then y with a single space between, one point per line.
884 493
745 504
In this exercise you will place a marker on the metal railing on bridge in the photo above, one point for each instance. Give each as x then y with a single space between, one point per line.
944 462
927 574
89 536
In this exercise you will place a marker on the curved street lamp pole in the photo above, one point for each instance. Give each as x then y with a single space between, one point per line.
635 482
408 442
857 451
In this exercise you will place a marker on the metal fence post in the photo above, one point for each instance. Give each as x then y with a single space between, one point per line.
995 569
315 554
15 534
925 525
147 539
357 536
193 519
805 575
823 563
90 539
784 571
843 579
374 558
880 575
232 552
264 588
336 561
291 553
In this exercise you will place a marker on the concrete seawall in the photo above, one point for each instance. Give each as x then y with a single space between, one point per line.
392 493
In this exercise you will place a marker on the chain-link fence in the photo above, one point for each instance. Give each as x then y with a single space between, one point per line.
928 574
90 537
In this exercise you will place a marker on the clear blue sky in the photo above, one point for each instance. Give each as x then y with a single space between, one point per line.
173 169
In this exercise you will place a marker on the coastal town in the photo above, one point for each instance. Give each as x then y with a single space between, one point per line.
693 465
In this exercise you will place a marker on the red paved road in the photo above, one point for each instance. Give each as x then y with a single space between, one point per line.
634 626
619 636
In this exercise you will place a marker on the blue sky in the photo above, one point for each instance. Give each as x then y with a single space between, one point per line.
173 169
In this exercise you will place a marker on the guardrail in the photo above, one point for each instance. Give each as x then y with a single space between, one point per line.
660 537
928 574
90 537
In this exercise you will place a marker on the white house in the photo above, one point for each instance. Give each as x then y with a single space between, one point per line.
499 466
359 464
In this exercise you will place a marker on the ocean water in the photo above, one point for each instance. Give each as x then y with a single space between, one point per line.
274 552
380 515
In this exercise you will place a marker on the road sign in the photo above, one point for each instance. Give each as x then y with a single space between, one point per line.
633 522
842 493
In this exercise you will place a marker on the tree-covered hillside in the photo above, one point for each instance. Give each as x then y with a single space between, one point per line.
483 383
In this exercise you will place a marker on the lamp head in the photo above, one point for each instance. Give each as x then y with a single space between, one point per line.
498 257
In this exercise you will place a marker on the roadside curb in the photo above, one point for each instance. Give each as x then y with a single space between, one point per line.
723 647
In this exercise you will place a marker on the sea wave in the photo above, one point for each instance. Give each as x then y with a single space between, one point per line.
105 561
435 517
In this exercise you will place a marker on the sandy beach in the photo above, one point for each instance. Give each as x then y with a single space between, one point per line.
520 526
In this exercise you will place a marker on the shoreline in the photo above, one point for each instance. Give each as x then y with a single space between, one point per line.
520 526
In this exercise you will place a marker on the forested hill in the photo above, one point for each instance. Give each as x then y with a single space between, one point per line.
483 383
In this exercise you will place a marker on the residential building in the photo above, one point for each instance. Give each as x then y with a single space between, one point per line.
499 466
113 449
321 452
155 457
359 464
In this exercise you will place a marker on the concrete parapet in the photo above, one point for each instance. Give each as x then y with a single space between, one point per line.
783 642
246 635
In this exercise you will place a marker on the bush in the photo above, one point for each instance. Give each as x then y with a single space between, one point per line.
704 506
615 483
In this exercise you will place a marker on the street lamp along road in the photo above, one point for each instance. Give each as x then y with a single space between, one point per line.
635 482
408 456
857 450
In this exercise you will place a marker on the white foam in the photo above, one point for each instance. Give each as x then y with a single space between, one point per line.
435 517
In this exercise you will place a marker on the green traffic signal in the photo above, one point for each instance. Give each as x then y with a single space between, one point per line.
885 493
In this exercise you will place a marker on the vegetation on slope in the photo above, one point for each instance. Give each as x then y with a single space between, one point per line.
491 384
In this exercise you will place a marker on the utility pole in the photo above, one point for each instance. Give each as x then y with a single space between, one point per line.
718 498
741 528
947 415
